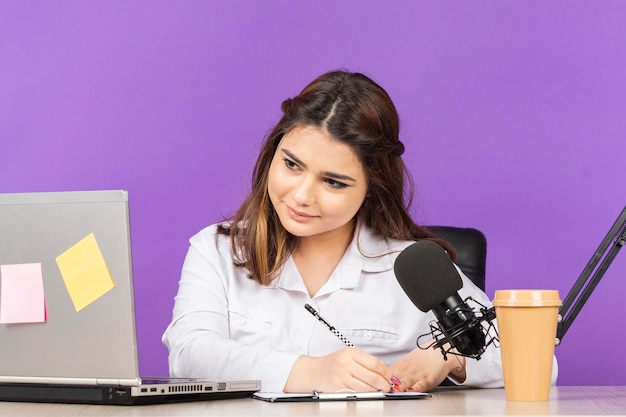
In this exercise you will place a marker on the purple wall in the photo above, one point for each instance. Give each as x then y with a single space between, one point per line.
513 116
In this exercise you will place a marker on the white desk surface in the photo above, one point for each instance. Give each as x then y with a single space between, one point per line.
445 401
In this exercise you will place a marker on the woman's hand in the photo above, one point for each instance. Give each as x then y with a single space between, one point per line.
424 369
348 368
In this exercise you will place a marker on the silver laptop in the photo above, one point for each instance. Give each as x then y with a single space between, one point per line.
67 316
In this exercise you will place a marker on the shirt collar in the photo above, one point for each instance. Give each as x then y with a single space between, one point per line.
367 253
373 251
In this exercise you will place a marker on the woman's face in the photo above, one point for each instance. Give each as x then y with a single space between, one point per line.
316 183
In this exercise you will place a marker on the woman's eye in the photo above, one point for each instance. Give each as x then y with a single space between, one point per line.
290 164
335 184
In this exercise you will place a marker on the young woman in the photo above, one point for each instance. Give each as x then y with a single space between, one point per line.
325 219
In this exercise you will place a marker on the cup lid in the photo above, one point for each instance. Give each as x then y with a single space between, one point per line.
526 298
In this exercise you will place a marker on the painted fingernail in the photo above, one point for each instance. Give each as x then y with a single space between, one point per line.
395 384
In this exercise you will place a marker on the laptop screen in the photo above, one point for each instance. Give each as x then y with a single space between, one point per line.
66 291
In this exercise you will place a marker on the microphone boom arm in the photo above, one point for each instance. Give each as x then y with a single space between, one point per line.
575 300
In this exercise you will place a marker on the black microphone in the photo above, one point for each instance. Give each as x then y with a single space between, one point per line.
430 280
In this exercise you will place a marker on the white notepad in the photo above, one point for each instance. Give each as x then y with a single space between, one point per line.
338 396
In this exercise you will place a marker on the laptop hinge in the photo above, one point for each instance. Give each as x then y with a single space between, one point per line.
47 380
119 382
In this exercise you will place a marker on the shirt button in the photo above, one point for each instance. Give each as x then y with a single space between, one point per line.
368 336
241 320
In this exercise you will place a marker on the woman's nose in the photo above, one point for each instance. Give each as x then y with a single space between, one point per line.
303 192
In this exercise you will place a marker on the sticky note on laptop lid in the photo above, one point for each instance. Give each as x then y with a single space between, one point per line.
85 272
22 294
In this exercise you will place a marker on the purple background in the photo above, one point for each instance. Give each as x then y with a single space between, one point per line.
513 115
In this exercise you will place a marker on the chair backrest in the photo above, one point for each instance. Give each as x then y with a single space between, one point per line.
471 247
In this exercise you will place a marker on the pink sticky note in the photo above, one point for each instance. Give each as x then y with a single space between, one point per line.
22 294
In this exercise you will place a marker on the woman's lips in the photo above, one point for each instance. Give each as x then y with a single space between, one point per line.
298 215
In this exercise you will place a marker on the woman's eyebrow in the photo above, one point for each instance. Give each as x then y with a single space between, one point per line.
333 175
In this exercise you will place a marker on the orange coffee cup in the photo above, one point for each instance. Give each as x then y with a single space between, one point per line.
527 322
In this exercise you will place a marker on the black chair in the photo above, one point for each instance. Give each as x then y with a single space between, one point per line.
471 248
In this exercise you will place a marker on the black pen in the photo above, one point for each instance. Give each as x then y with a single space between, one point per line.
331 328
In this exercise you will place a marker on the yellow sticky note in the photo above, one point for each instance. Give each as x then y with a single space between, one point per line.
85 272
22 294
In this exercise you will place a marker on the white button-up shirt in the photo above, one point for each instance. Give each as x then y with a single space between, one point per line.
226 326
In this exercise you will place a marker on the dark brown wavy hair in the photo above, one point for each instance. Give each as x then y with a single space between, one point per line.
354 110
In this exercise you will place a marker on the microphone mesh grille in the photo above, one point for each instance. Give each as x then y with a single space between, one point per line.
426 274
